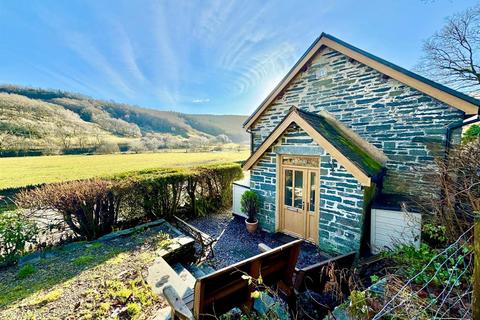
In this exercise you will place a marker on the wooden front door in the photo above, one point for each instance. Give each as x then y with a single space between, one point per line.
299 200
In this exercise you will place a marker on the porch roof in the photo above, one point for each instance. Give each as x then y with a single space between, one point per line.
355 154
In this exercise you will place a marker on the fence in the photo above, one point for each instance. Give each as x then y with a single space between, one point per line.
448 301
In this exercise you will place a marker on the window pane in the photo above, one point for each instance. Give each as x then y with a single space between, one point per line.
313 187
298 197
288 187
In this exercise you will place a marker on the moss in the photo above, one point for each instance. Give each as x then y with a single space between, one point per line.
49 297
134 310
82 260
96 245
335 135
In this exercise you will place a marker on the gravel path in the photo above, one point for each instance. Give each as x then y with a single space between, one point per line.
236 244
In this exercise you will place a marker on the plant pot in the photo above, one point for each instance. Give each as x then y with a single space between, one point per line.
251 226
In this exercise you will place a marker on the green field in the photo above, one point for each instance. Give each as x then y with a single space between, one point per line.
23 171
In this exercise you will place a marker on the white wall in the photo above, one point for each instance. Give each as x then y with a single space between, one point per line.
391 228
239 187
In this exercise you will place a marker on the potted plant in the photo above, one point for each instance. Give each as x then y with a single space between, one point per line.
250 204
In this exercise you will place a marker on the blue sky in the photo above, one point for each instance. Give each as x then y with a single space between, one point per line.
190 56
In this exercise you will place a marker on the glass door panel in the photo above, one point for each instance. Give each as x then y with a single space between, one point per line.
312 191
298 191
288 192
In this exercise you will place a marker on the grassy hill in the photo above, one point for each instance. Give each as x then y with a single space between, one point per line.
38 118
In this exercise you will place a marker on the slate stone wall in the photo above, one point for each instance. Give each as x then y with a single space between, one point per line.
409 126
341 196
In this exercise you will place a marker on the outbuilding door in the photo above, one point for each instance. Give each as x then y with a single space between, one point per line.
299 180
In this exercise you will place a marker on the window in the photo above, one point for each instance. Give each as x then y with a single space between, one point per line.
313 187
298 195
288 187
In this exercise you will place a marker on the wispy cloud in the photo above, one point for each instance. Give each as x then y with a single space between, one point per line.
85 48
201 100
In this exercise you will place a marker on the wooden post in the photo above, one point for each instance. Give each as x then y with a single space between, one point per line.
476 269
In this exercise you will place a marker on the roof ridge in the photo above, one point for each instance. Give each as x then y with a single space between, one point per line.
449 96
403 70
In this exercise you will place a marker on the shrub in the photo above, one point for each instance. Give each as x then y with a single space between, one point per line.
215 186
25 271
157 192
89 207
160 192
434 235
447 269
250 204
458 180
15 233
134 310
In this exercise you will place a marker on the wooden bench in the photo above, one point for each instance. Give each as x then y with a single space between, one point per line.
204 239
224 289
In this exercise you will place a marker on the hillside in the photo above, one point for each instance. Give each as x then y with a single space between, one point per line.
32 118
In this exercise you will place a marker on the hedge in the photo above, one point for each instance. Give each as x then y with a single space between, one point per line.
93 207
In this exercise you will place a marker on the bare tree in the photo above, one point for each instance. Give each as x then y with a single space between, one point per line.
452 55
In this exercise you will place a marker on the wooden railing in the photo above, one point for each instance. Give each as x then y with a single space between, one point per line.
314 277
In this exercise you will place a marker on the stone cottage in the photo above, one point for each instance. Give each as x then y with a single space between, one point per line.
342 127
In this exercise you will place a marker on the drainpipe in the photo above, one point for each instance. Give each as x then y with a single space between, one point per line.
450 129
251 141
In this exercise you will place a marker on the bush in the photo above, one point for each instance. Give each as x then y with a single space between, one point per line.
160 192
89 207
15 233
215 186
458 180
25 271
250 204
449 268
92 207
157 192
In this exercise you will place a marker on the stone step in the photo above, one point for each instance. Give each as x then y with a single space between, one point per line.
206 268
195 271
185 275
160 274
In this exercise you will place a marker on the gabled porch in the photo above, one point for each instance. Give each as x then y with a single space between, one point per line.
315 178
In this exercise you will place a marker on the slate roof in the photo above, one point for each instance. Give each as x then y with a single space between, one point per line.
454 93
409 73
330 130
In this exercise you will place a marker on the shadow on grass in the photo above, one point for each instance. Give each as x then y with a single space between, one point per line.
64 263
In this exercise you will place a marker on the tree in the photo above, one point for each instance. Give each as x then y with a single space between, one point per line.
223 139
137 146
452 55
108 147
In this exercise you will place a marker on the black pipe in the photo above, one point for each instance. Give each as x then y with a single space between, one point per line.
456 126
